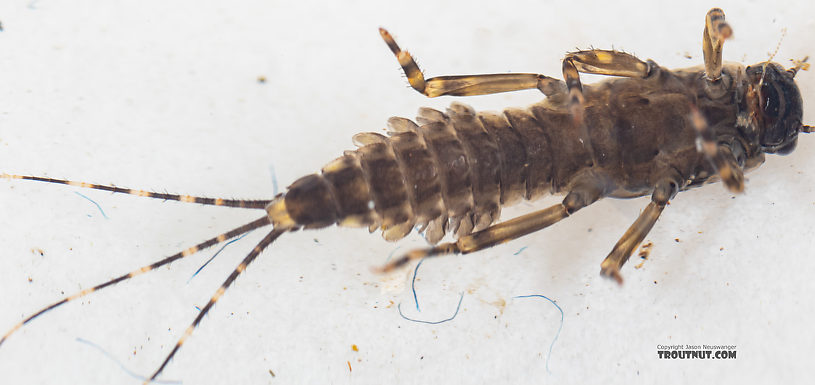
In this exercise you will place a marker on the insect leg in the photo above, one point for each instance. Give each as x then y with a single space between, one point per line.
798 65
218 293
723 156
716 32
728 168
582 195
665 189
187 252
247 204
600 62
468 85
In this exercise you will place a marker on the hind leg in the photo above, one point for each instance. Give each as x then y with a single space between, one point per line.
468 85
585 191
666 188
599 62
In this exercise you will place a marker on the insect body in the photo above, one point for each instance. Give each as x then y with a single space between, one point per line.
653 131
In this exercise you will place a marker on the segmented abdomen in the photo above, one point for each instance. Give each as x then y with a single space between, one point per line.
452 172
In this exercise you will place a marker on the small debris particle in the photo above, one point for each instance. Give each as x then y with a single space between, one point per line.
271 372
687 56
674 316
676 240
354 348
721 248
349 365
645 251
30 280
655 282
261 79
38 251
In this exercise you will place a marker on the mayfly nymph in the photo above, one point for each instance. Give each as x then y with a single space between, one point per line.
648 131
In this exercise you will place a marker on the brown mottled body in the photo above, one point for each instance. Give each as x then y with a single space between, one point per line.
464 165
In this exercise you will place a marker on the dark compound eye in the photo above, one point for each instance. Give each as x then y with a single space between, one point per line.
770 101
788 148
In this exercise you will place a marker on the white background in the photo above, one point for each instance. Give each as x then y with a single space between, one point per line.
164 96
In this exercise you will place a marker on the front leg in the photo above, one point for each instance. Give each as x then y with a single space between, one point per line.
726 157
468 85
716 32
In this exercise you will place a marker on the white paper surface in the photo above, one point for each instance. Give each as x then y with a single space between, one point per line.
165 96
